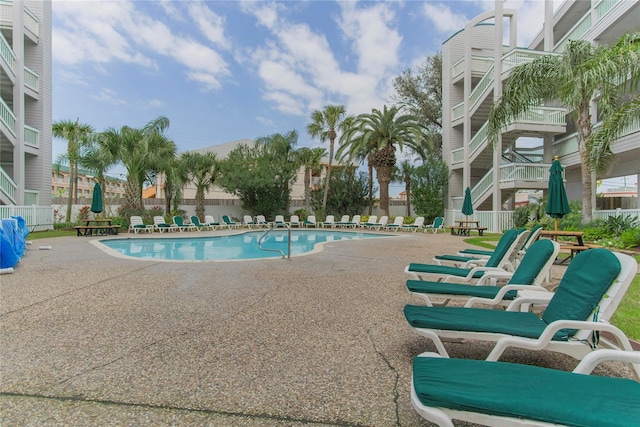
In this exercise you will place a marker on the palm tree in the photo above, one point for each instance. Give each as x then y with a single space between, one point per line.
581 73
202 170
380 133
142 152
97 158
280 150
77 135
404 173
324 125
311 159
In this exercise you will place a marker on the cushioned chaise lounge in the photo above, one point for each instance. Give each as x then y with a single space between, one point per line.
508 394
586 298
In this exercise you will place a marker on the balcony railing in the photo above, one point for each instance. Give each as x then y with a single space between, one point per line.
31 136
514 172
576 33
479 64
7 186
569 144
604 7
31 22
480 88
31 79
520 56
484 185
544 115
7 54
457 111
7 117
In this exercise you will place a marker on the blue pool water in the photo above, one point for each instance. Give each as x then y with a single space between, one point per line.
233 247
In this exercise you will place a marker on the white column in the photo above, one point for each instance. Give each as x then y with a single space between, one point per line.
548 26
497 92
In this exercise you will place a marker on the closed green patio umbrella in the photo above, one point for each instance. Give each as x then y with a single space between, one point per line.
467 206
96 202
557 205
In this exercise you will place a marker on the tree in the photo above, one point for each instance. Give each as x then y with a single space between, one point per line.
420 93
324 125
311 159
380 133
429 184
202 170
349 193
404 173
574 78
97 158
261 175
77 135
142 152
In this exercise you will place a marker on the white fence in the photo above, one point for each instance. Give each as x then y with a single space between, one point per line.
37 218
505 218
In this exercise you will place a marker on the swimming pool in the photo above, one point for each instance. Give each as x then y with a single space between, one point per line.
242 246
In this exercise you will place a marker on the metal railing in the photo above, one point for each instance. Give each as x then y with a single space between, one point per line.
266 233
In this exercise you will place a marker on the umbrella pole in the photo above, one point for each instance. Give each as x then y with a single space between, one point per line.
556 221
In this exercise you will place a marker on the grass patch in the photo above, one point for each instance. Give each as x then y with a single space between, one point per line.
50 233
626 317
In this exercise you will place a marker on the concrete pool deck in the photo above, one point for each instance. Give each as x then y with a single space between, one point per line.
90 339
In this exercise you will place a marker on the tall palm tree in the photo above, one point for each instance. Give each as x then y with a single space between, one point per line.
381 132
404 173
311 159
325 125
202 170
142 152
77 135
574 78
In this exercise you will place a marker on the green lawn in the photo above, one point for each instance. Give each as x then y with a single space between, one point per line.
627 316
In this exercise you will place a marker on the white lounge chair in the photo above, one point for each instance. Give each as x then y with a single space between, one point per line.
382 222
499 261
179 222
279 221
294 221
211 222
136 224
508 394
329 221
371 220
200 225
261 221
528 276
247 221
396 225
586 298
160 225
310 221
229 223
438 224
417 224
344 221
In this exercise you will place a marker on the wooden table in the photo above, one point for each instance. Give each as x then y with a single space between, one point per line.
465 226
100 226
574 248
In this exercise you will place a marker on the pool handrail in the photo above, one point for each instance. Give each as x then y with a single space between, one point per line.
269 230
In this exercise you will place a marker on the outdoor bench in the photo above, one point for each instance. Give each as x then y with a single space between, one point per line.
90 230
464 230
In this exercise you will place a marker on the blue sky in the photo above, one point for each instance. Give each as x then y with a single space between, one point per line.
225 70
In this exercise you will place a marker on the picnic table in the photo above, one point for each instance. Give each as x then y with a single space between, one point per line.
465 226
574 248
97 226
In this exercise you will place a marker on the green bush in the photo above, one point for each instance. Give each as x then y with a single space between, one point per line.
630 238
616 225
521 216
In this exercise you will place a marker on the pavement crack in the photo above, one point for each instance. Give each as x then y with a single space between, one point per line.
26 307
396 394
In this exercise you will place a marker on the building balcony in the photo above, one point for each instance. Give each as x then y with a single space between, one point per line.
31 21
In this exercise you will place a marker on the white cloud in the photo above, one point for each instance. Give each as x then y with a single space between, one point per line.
444 19
104 32
109 96
209 23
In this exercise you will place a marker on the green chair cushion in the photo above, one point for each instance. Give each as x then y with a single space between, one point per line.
532 262
529 392
504 244
516 323
442 269
588 277
426 287
476 252
458 258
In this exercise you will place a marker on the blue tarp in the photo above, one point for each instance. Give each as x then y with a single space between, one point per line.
12 242
22 226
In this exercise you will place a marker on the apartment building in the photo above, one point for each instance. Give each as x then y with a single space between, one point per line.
477 60
25 102
61 180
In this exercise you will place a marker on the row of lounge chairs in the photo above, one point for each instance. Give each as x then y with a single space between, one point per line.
159 224
568 320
